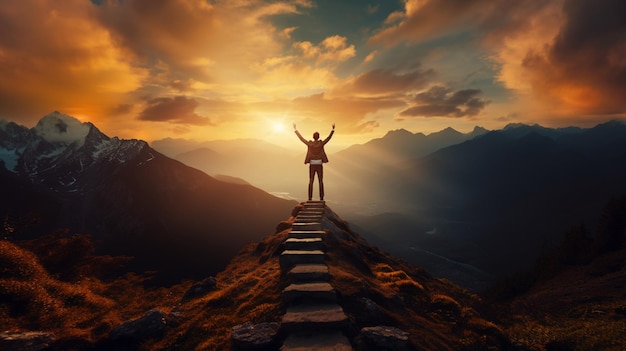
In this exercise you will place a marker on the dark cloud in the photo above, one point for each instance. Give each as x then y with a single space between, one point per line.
387 81
181 85
589 54
440 101
179 109
509 117
121 109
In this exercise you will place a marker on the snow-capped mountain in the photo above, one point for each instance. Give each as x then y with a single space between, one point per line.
60 151
133 200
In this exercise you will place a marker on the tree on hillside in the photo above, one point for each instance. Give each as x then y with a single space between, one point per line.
612 226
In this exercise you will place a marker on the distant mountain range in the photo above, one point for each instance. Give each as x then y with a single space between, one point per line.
360 171
497 200
132 199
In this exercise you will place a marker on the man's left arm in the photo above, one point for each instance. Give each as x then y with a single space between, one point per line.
330 135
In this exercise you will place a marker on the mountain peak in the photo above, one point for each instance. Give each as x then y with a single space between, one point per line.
449 131
479 129
57 127
398 133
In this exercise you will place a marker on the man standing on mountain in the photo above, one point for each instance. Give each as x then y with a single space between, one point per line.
315 157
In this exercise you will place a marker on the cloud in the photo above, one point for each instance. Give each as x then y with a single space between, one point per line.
350 112
427 19
332 49
179 110
584 69
210 42
440 101
54 55
386 82
562 57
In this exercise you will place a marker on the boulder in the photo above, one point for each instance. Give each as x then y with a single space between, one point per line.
254 337
200 289
373 312
25 341
284 225
151 325
384 338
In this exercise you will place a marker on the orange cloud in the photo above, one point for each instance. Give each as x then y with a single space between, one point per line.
53 55
351 113
333 49
583 70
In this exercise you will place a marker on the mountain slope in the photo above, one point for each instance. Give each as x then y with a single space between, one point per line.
506 194
262 164
372 287
582 308
363 170
134 200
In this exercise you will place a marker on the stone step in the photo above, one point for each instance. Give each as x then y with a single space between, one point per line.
314 317
319 216
290 258
314 203
307 219
320 341
303 293
313 243
303 234
306 226
309 273
311 211
310 215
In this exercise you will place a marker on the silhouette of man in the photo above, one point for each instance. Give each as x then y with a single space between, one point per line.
315 157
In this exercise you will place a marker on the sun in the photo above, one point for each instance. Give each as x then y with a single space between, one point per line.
278 127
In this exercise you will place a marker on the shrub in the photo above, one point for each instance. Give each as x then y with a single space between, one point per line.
445 302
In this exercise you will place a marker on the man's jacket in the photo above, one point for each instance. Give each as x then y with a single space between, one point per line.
316 148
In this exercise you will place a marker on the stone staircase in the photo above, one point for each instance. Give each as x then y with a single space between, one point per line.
313 320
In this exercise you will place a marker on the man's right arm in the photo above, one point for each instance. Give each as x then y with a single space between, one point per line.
299 135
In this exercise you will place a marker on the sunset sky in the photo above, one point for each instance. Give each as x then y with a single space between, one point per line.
223 69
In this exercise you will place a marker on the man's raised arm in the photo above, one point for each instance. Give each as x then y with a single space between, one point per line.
299 135
330 135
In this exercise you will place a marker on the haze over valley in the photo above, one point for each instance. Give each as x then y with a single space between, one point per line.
484 203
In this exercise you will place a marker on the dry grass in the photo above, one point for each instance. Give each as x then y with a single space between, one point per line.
86 309
89 308
249 290
581 309
437 314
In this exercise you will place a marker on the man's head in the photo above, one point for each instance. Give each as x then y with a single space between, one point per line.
316 135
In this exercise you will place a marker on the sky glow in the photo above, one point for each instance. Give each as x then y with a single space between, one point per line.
207 70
